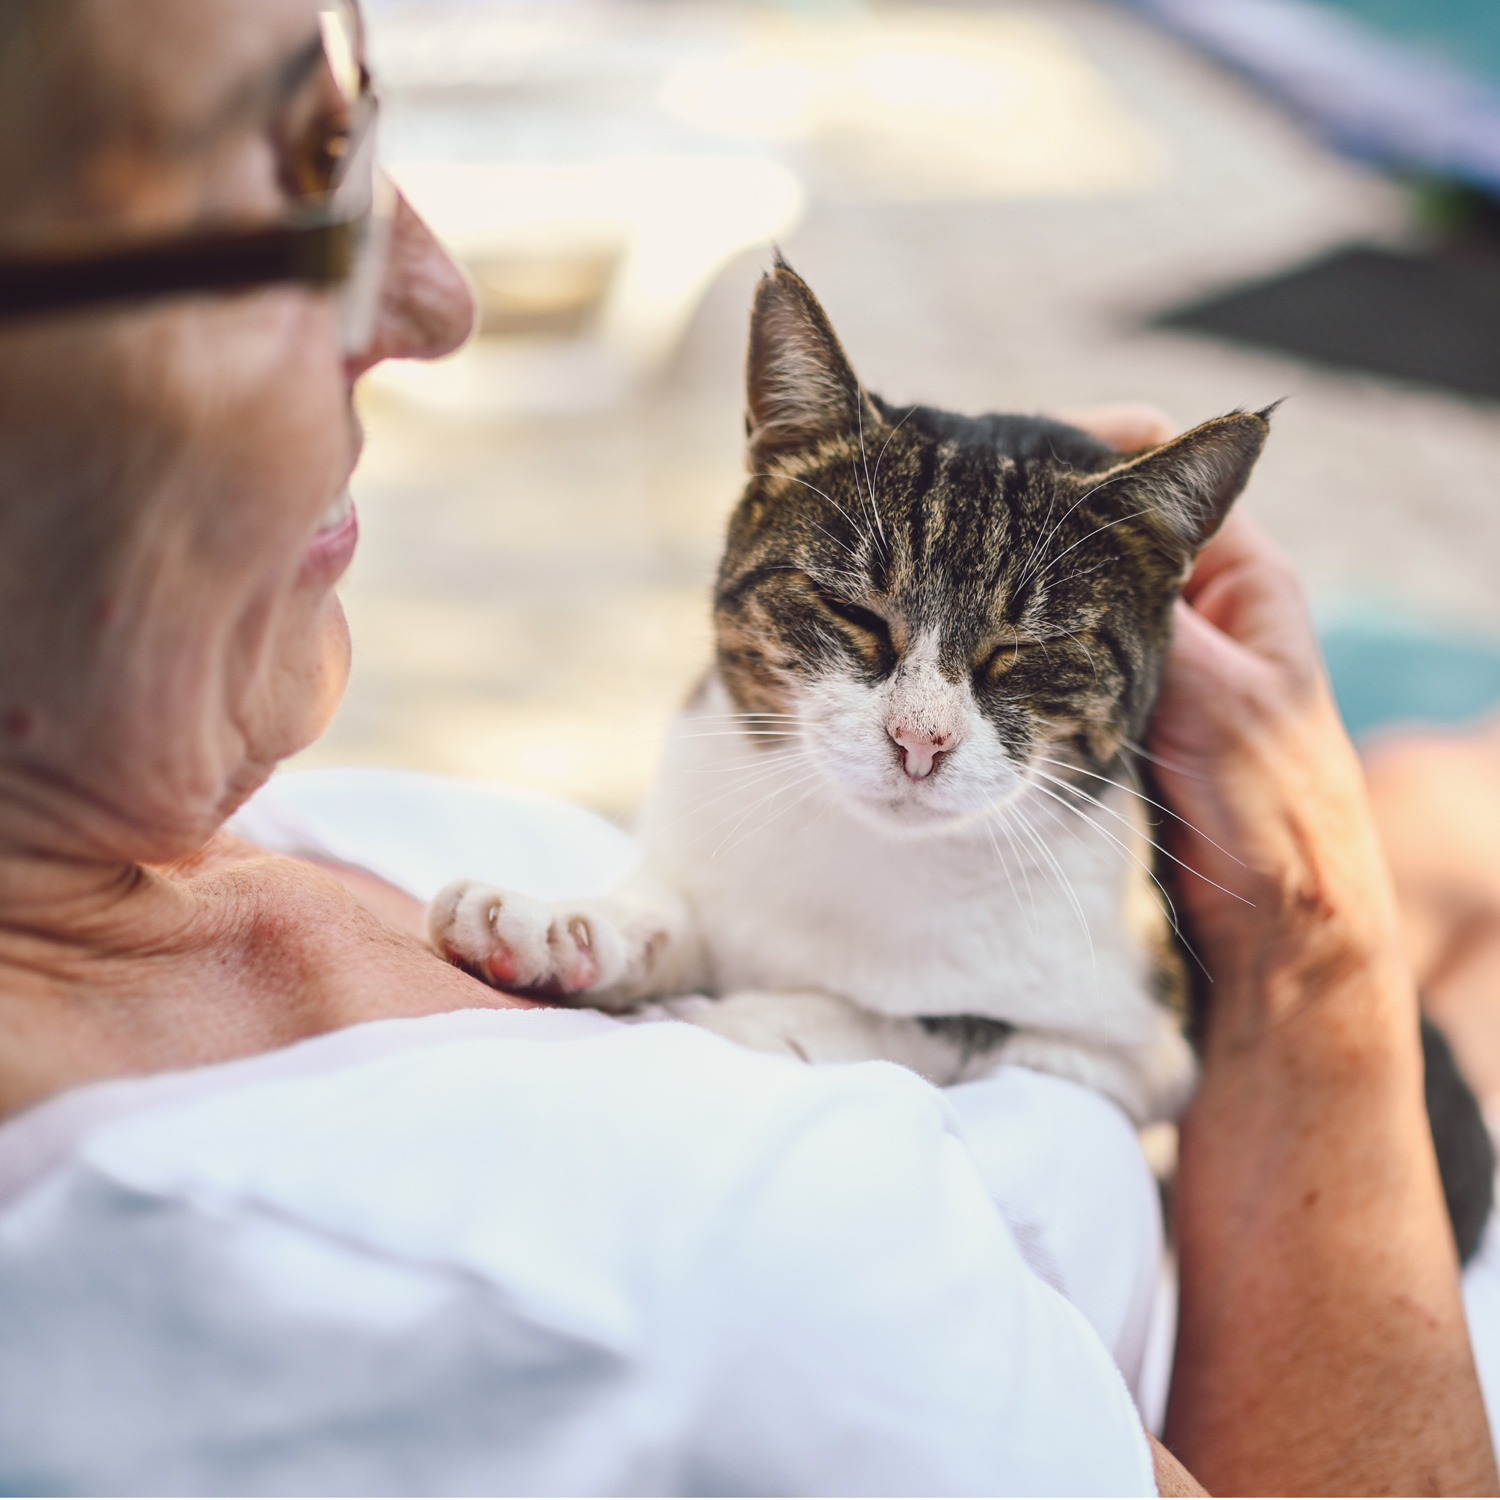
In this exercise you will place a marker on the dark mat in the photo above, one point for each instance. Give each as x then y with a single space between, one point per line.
1432 318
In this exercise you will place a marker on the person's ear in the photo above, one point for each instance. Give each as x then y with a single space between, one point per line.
800 387
1183 490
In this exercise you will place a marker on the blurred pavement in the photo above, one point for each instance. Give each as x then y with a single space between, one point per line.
529 603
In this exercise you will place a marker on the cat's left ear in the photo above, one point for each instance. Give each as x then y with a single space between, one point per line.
1184 489
801 388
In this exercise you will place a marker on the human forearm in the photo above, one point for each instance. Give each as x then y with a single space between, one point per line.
1322 1345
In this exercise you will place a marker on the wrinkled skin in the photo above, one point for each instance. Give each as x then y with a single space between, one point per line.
169 628
222 429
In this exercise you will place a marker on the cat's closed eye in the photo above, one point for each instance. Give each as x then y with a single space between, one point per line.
873 633
1002 656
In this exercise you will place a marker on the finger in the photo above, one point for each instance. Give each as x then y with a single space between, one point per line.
1255 603
1208 686
1250 591
1185 724
1128 426
1241 542
1201 652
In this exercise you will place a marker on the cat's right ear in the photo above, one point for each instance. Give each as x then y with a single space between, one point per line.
800 386
1184 489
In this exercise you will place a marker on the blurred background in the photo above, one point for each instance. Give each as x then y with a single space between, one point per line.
1206 204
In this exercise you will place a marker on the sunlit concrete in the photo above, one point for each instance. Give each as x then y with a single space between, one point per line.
530 600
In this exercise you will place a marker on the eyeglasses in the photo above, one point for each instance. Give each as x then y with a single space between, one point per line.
335 237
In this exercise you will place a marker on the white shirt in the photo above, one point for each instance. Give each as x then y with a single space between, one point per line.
542 1252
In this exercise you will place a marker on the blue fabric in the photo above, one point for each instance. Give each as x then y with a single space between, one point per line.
1389 668
1465 32
1423 95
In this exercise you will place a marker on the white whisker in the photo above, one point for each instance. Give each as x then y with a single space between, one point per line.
1108 526
1157 760
752 778
812 776
1035 551
747 715
1084 572
1036 546
989 828
811 782
864 458
1040 845
1082 648
774 784
752 735
1151 875
887 443
1151 801
854 526
1104 807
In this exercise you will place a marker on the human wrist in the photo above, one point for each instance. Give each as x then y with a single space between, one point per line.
1319 986
1317 943
1294 898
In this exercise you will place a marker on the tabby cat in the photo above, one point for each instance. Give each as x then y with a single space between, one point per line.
895 820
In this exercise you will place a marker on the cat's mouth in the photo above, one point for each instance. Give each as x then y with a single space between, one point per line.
943 802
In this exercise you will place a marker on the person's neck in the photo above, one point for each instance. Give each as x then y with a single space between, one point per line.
111 968
79 936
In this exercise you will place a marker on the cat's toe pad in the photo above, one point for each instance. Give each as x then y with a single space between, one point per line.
515 942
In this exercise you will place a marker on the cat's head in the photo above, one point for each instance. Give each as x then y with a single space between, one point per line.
944 608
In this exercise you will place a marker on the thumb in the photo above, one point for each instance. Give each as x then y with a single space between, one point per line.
1209 689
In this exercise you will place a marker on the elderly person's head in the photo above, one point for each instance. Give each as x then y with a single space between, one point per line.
176 427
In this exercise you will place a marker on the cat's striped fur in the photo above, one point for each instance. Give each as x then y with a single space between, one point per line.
896 820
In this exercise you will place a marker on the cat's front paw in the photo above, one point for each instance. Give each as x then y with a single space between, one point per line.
517 943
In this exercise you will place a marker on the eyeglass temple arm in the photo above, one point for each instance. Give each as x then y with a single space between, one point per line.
316 255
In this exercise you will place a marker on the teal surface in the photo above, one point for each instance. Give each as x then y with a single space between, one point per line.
1466 32
1388 670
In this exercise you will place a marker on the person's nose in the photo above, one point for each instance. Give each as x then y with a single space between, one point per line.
426 307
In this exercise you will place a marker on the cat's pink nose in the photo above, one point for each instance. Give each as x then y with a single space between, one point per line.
920 752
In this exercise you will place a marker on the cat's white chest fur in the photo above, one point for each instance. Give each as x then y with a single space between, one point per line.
1016 915
822 933
1019 914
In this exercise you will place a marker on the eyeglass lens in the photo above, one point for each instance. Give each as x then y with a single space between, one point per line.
363 195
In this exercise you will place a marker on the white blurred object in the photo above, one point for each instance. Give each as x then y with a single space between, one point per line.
920 105
416 830
587 273
444 45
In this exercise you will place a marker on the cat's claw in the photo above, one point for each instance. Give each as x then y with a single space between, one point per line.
515 942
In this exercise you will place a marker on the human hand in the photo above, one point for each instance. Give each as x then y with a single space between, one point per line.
1319 1286
1127 426
1319 1289
1283 862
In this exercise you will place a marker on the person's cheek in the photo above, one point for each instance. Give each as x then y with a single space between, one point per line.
273 435
313 671
307 655
278 448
